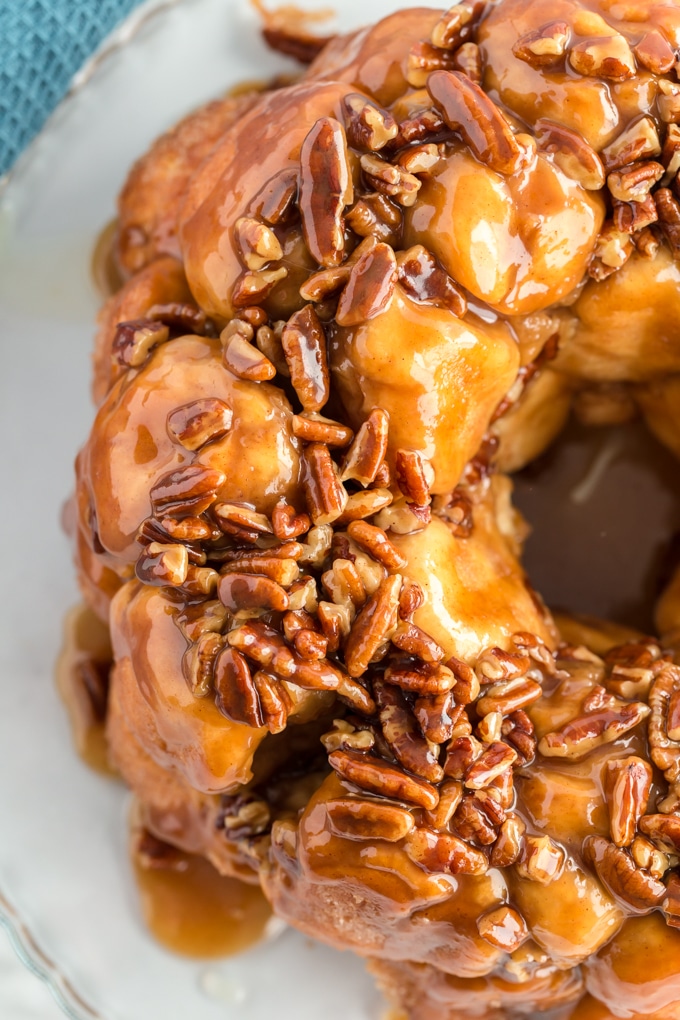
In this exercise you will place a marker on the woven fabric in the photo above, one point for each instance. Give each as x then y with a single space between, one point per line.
43 43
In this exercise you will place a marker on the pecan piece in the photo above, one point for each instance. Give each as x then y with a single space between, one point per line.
346 736
242 517
364 504
282 569
612 250
369 819
257 243
133 341
545 46
256 286
437 715
422 61
420 159
374 626
375 541
671 904
390 179
243 360
632 217
444 852
633 184
368 450
200 422
237 696
188 491
251 591
628 786
663 830
243 816
571 153
647 857
655 53
344 585
424 680
403 737
274 699
424 280
508 846
377 776
326 496
322 285
314 428
304 345
184 316
456 25
467 685
609 57
665 750
668 101
473 823
579 736
503 928
461 753
668 209
161 564
617 871
369 288
492 762
412 477
518 731
509 696
468 60
411 639
368 125
287 523
198 662
495 664
541 860
467 109
325 190
640 140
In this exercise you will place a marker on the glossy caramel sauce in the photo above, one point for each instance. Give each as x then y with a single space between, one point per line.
603 505
193 910
86 644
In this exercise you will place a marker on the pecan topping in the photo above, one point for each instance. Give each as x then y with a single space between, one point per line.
325 190
518 731
412 478
375 541
423 59
665 751
253 287
577 738
374 625
541 859
182 315
376 216
628 786
326 496
456 25
508 846
444 852
287 523
369 819
391 179
671 904
420 159
633 184
424 280
468 60
275 701
437 715
322 285
503 928
467 109
655 53
571 153
663 830
461 753
426 124
414 641
237 697
251 591
495 664
187 491
640 140
200 422
344 584
544 47
673 718
283 570
477 818
401 732
243 360
198 662
314 428
616 870
467 685
257 243
668 208
368 125
647 857
492 762
346 736
609 57
508 696
370 286
613 249
133 341
377 776
368 450
424 679
632 217
668 101
162 564
304 345
243 816
364 504
243 517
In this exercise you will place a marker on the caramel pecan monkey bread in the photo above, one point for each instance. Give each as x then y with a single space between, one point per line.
348 308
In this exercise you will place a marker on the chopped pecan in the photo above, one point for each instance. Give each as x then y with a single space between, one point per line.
188 491
344 585
411 471
424 280
245 361
665 750
133 341
411 639
364 504
655 53
325 190
326 496
467 685
370 286
640 140
368 125
284 570
257 243
311 645
304 345
456 25
668 209
275 701
276 201
493 761
423 59
243 517
251 591
617 871
443 852
314 428
374 215
403 737
508 696
243 816
468 60
287 523
160 564
631 217
255 286
423 125
649 858
612 250
374 626
200 422
633 184
673 717
268 342
369 819
425 679
199 619
472 822
322 285
518 731
495 664
504 928
671 904
377 776
627 787
663 830
437 715
368 450
198 662
579 736
668 101
411 599
545 46
610 57
508 846
541 859
237 696
461 753
467 109
489 728
390 179
184 316
347 737
647 243
420 159
376 542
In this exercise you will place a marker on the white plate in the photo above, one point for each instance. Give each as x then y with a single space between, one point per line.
65 886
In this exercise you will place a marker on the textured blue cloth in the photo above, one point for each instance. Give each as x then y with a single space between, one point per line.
43 43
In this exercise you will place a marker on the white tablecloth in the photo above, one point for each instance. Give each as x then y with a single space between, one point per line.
22 996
